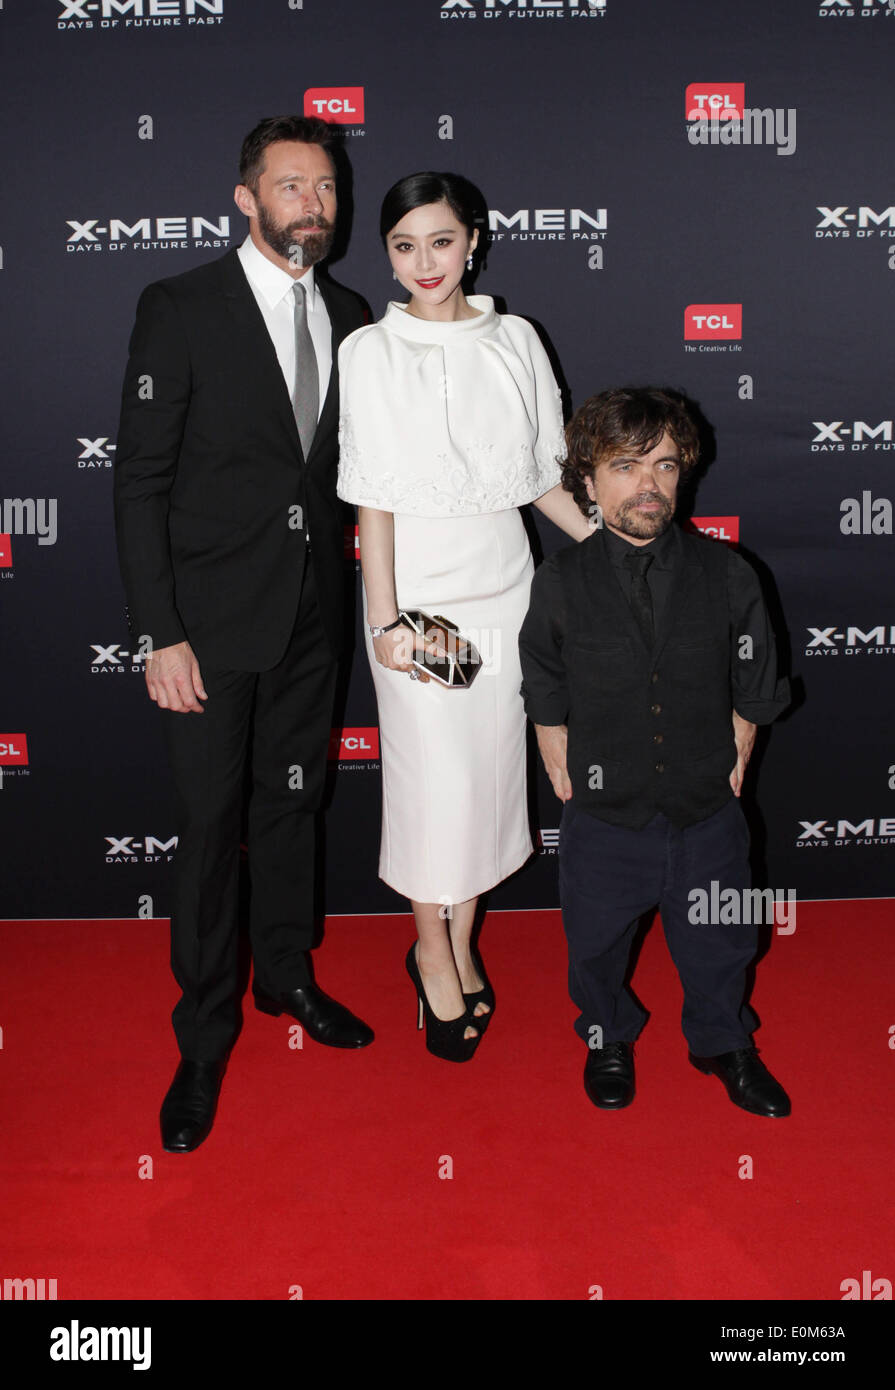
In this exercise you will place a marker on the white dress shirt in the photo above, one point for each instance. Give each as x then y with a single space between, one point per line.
272 288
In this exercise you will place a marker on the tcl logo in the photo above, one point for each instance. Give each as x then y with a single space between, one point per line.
345 745
352 543
13 750
722 528
720 101
5 551
343 105
713 321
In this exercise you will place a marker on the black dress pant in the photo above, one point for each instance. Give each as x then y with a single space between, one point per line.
280 718
609 876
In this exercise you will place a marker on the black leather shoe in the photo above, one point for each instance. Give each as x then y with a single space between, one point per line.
322 1018
609 1075
188 1109
748 1081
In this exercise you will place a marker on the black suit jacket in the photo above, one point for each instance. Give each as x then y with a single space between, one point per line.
212 492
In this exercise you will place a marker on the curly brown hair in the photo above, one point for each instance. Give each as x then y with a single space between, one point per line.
628 417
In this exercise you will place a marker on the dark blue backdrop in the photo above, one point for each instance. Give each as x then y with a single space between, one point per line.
124 120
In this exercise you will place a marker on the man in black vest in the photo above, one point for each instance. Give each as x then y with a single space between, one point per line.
231 547
648 660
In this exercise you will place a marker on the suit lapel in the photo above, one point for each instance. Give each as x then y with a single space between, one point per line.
260 350
340 327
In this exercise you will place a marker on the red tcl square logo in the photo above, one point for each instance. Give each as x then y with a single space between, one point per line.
721 528
344 105
345 745
5 551
352 543
719 101
13 750
713 321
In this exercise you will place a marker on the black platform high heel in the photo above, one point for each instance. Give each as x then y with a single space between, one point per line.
444 1037
485 995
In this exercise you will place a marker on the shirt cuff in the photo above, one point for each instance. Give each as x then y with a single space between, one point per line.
542 710
759 711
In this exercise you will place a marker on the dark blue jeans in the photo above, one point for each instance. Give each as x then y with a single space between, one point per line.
609 876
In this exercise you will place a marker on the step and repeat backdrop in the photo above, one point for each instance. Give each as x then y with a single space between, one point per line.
682 193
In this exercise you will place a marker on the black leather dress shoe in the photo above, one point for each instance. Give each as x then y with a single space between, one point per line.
748 1081
322 1018
188 1109
609 1075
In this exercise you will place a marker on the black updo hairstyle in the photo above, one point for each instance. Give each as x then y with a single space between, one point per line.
465 201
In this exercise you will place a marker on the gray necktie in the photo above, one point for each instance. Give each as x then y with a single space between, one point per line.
306 395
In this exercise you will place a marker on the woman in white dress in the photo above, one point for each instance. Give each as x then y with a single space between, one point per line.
450 421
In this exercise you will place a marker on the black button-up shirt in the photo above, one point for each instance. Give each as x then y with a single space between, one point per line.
757 694
659 574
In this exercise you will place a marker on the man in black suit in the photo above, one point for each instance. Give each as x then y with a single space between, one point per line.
231 548
648 660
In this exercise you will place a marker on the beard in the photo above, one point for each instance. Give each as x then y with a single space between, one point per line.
644 527
304 250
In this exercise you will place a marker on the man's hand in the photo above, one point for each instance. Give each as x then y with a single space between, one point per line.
553 740
173 679
744 737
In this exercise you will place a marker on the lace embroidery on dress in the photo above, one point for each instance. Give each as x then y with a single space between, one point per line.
482 482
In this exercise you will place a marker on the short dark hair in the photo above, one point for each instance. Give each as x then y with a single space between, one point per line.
629 417
465 201
308 130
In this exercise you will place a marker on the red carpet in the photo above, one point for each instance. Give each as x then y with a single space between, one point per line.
322 1170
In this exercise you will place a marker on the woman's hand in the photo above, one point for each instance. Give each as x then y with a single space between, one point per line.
394 650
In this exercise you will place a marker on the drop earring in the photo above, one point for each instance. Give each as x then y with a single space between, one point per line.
394 275
469 261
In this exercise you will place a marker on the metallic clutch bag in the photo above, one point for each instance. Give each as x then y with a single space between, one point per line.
462 661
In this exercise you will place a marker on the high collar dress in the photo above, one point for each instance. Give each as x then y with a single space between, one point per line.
452 427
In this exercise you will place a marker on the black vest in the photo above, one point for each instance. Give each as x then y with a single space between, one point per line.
649 730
